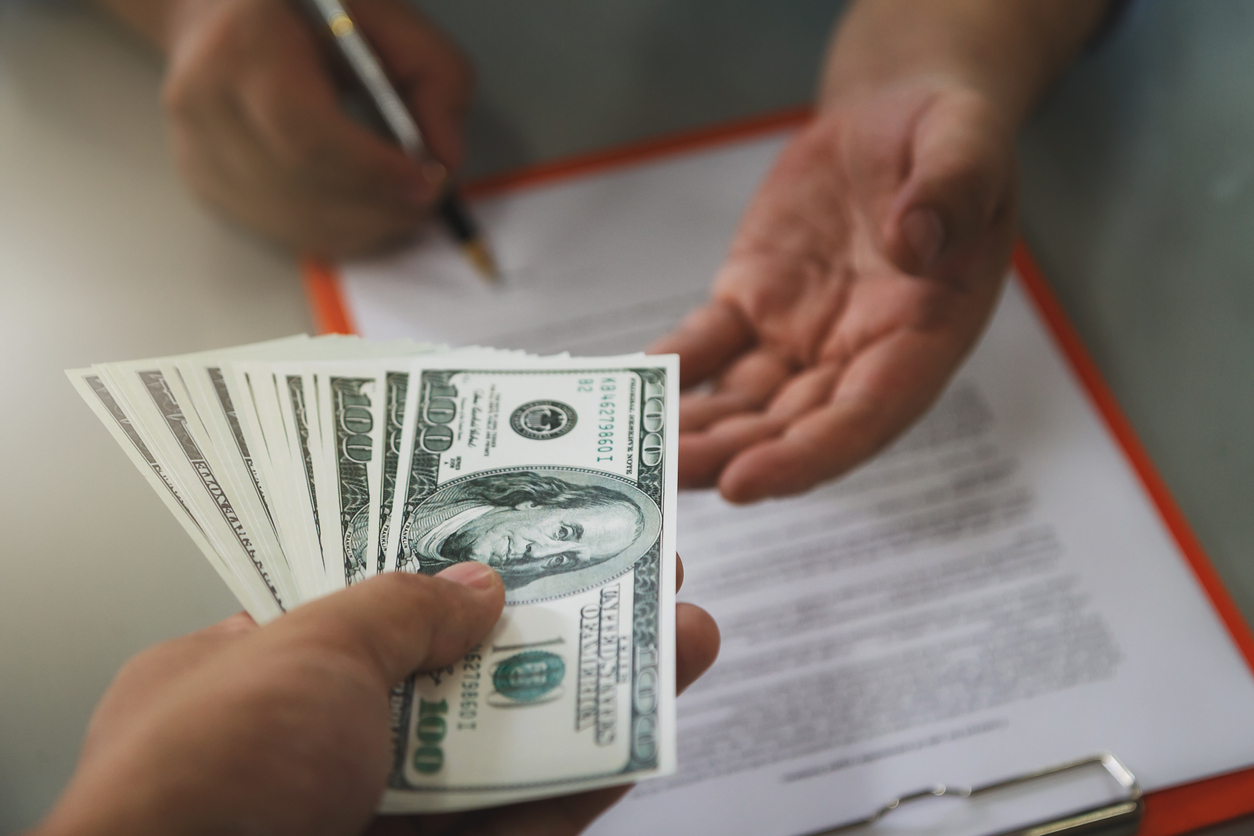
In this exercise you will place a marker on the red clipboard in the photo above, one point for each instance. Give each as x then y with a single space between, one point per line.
1168 812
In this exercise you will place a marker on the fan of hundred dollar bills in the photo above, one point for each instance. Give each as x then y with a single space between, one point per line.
305 465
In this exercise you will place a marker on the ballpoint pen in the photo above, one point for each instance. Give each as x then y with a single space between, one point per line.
365 66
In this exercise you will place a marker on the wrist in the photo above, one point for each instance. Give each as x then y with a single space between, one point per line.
841 92
1010 103
1006 54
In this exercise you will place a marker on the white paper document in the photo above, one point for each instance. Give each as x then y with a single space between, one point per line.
994 594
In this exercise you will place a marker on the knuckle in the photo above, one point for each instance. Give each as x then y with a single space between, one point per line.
151 658
201 64
415 590
239 624
144 659
182 92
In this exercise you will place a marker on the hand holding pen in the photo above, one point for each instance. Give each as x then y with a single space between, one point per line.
366 69
259 131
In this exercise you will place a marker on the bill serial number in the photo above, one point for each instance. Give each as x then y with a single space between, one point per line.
468 706
607 414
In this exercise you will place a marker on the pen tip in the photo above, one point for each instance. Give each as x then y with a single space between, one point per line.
479 255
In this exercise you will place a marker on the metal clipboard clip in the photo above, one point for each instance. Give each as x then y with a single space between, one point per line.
1123 813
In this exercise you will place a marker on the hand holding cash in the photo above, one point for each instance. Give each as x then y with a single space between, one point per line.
306 466
290 723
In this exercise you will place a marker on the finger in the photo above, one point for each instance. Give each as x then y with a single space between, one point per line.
397 623
432 74
231 170
789 397
679 573
885 390
323 226
697 642
312 140
960 181
706 341
222 155
219 157
303 212
823 445
293 107
441 116
703 455
746 386
804 392
229 628
213 146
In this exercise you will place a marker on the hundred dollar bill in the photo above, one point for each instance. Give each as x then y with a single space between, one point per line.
396 389
167 425
173 415
352 444
262 394
267 411
299 405
560 475
102 401
396 403
303 465
235 434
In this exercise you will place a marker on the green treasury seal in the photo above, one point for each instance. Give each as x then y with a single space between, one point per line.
543 420
529 676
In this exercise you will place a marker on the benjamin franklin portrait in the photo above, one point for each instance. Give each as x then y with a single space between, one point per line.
558 530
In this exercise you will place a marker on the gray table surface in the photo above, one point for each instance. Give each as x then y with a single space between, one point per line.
1138 199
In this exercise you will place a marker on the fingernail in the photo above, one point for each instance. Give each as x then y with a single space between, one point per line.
435 174
424 192
925 234
470 573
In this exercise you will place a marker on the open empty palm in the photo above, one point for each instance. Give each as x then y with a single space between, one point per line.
862 273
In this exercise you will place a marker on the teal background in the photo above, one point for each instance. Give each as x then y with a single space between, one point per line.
560 77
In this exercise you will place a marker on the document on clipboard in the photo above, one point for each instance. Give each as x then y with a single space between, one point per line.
1007 588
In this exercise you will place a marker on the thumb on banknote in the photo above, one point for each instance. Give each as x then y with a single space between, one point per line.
281 728
398 623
